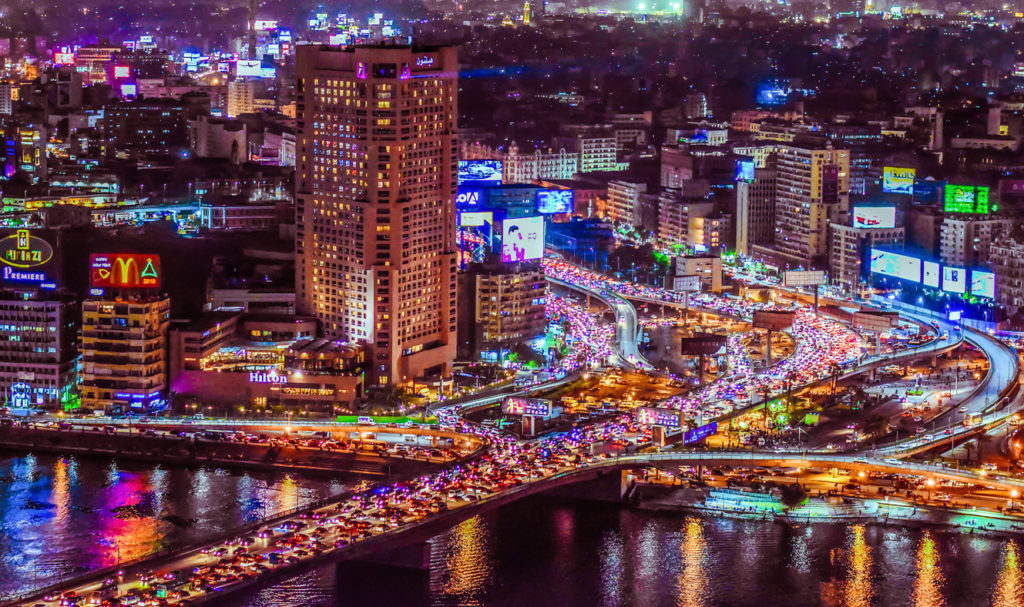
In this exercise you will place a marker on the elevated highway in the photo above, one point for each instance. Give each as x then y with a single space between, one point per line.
627 329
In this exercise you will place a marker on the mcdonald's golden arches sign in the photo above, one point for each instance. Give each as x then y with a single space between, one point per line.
125 270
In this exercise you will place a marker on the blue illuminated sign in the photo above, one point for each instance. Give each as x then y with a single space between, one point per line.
745 170
700 433
468 198
554 201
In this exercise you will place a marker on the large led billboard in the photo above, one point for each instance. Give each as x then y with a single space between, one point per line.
480 171
874 217
517 405
896 265
249 67
931 275
470 219
926 191
554 201
28 257
966 199
468 198
897 180
124 270
658 416
983 284
745 170
954 280
522 239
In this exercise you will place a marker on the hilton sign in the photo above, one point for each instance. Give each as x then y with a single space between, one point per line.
255 377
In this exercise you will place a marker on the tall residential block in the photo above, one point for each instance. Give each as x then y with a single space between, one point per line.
812 189
375 212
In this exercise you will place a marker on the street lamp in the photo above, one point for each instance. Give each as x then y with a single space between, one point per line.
931 485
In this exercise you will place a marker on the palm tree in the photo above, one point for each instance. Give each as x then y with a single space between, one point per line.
876 426
791 378
833 369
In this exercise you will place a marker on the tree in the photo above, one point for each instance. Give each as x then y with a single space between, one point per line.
792 496
876 426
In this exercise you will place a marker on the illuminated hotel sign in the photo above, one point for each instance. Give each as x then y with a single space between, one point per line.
255 377
25 257
124 270
424 61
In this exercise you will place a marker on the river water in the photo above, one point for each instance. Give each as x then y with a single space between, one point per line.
547 552
59 516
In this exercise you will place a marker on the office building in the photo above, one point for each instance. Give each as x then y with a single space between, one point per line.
124 353
849 250
965 242
38 348
755 211
523 166
241 97
375 203
150 126
502 307
596 145
6 98
269 363
1008 264
625 202
812 187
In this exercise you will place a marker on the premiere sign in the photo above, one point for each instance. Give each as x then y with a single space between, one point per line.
27 257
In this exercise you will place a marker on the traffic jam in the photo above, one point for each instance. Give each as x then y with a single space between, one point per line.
364 514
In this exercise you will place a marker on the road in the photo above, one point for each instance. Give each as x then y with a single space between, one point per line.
510 470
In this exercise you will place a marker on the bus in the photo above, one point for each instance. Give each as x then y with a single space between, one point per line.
971 419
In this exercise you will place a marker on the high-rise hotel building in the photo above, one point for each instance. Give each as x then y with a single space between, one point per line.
375 213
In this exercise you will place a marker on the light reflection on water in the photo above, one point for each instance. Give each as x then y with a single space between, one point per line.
546 552
928 584
1009 590
463 563
693 579
63 516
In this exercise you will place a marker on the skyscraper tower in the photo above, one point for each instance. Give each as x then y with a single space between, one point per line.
251 30
375 212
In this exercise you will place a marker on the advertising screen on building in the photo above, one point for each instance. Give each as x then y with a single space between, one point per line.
803 278
966 199
473 219
554 201
656 416
897 180
28 258
954 280
926 191
931 275
249 67
688 283
700 433
63 56
480 171
468 198
122 71
522 239
745 170
516 405
983 284
773 320
874 217
702 344
896 265
124 270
